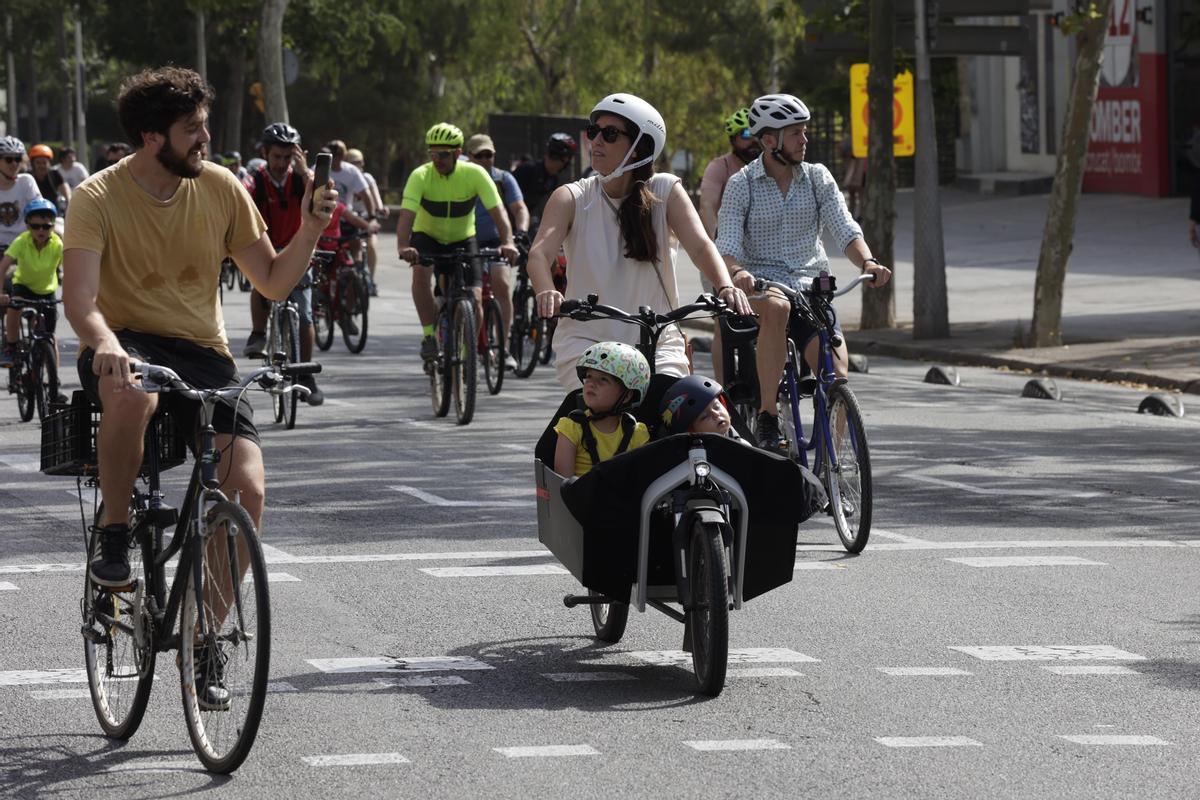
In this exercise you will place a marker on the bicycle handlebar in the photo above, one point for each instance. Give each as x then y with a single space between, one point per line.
156 378
458 256
591 309
806 287
26 302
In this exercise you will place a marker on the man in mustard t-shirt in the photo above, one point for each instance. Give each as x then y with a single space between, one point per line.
37 254
144 244
437 215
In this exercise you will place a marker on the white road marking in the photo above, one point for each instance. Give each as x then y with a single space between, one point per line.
281 577
1102 739
817 565
899 537
421 423
59 694
737 655
1027 561
33 677
1087 670
25 569
1043 544
714 745
547 751
520 448
23 462
588 677
928 741
762 672
273 555
421 681
435 500
6 586
278 687
1008 492
922 671
159 765
355 760
1091 652
488 572
394 664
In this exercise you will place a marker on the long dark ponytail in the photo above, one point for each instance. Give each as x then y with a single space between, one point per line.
636 214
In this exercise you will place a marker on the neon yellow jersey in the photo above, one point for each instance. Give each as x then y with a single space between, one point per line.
37 270
445 204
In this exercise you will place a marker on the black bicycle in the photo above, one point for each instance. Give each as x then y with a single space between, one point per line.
217 613
454 371
528 327
33 377
283 350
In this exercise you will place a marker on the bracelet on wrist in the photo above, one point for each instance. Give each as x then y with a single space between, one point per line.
871 260
723 288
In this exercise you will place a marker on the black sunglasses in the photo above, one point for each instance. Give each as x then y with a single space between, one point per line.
441 155
485 154
39 226
609 132
13 159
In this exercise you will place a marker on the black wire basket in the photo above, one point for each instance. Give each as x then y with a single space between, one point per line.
69 440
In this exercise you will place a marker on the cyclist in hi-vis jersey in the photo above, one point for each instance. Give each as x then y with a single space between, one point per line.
437 215
769 226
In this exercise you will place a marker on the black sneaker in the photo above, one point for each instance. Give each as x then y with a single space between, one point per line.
429 348
110 563
8 356
255 346
211 692
315 396
769 435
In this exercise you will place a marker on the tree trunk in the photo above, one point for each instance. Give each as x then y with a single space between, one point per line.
82 148
931 313
270 59
879 305
33 126
10 65
201 47
1059 234
67 125
234 103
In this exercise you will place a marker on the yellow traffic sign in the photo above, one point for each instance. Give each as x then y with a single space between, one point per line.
903 129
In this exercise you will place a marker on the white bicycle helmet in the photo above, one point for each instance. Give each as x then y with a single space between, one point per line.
11 146
644 117
777 111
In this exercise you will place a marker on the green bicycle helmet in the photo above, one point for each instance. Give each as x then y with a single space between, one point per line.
624 362
444 135
737 122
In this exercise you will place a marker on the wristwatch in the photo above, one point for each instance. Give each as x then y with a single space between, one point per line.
871 260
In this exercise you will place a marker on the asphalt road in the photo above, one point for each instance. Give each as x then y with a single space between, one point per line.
1022 623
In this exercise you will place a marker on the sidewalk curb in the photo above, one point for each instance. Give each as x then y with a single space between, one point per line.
862 343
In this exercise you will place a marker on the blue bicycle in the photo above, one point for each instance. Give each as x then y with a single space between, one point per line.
841 457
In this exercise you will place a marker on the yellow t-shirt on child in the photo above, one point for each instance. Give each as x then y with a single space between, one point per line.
606 443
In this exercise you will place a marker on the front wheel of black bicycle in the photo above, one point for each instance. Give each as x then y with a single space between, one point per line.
289 337
45 377
225 638
708 616
465 362
609 619
849 486
118 648
528 330
495 351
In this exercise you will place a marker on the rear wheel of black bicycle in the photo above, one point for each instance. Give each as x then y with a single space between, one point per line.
322 318
439 368
609 619
118 647
289 337
465 365
849 486
496 352
528 330
708 617
45 377
22 380
225 639
355 298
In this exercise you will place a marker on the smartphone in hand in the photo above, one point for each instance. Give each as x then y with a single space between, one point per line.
320 174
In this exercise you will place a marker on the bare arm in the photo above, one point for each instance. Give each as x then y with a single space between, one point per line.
564 457
275 275
684 221
404 225
81 286
520 215
507 248
359 222
556 223
64 190
858 252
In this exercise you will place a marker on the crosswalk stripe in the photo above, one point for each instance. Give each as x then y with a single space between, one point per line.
6 586
33 677
587 677
398 665
928 741
737 655
436 500
715 745
922 671
355 760
762 672
488 572
422 681
1091 652
998 544
59 694
1090 670
1027 561
548 751
1102 739
821 565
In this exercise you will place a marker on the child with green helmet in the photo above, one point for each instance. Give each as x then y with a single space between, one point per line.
615 377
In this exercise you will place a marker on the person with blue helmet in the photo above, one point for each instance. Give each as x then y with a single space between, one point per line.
33 258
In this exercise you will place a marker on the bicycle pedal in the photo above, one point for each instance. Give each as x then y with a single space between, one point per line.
806 387
161 517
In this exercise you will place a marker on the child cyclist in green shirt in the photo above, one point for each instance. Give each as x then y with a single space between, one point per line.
615 377
37 254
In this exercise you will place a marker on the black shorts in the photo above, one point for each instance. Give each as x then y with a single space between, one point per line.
49 313
427 244
202 367
802 331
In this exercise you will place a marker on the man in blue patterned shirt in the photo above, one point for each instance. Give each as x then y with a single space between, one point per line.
772 215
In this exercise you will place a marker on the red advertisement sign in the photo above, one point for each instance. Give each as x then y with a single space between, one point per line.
1127 143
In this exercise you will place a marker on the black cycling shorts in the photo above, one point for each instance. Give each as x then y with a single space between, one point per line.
202 367
802 331
49 313
427 244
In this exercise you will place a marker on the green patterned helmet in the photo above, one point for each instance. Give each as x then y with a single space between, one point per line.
737 122
623 361
444 135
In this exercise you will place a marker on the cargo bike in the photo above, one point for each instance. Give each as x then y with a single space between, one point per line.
692 525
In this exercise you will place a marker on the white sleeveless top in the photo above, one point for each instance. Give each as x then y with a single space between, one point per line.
597 264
